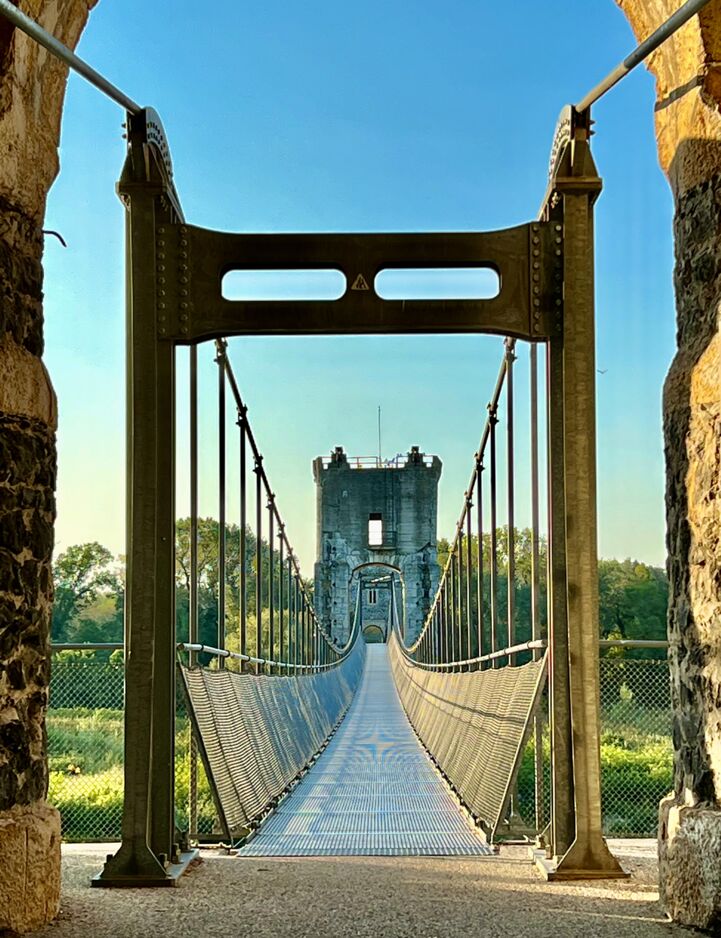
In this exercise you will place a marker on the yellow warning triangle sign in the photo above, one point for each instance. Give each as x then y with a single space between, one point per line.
360 283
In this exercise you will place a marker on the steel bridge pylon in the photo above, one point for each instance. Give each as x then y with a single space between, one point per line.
174 274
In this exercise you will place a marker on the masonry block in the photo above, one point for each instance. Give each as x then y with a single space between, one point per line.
30 863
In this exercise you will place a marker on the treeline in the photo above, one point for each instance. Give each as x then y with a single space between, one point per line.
208 536
633 596
89 589
89 595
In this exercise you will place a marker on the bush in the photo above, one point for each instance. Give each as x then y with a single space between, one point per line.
91 806
90 740
636 772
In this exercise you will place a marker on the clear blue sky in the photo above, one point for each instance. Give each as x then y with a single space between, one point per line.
334 116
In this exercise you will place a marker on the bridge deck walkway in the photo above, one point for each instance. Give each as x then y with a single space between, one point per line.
373 791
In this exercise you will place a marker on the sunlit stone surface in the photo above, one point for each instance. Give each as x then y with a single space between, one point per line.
32 88
688 129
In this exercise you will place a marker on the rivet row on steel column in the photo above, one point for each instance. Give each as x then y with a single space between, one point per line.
510 491
193 580
220 359
271 570
493 420
243 598
258 560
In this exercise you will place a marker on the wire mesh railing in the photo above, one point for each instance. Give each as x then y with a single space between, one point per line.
85 743
266 624
491 607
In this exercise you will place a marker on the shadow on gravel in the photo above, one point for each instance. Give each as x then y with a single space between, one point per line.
362 897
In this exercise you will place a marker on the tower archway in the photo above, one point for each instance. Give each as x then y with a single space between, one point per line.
377 590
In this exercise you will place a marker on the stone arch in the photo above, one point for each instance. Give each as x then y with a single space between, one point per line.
688 76
377 563
32 91
373 635
688 130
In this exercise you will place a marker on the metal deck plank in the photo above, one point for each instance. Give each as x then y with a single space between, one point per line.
373 791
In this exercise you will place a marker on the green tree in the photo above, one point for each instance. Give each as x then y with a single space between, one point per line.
84 574
633 599
101 621
633 596
208 584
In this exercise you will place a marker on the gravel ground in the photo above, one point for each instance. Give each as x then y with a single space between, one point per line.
364 896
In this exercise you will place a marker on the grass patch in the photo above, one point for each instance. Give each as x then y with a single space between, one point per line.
86 774
86 771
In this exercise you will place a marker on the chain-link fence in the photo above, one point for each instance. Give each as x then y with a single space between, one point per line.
85 742
85 747
636 747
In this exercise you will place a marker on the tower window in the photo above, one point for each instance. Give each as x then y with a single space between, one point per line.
372 597
375 529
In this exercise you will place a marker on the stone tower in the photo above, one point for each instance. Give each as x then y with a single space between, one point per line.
374 513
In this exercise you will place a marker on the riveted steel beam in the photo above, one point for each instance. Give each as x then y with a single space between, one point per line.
580 851
191 263
148 855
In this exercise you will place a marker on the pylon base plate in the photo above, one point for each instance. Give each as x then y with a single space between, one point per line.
549 870
173 872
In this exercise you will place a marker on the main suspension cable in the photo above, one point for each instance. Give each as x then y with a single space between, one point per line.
639 54
642 51
46 39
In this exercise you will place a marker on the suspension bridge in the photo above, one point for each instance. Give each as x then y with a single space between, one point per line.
468 687
316 745
409 745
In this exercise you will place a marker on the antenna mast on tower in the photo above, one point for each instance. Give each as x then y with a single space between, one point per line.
379 434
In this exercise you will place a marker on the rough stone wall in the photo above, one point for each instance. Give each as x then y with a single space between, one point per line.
407 500
692 417
688 129
32 88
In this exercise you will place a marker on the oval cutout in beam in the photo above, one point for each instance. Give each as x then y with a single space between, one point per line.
287 285
437 283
